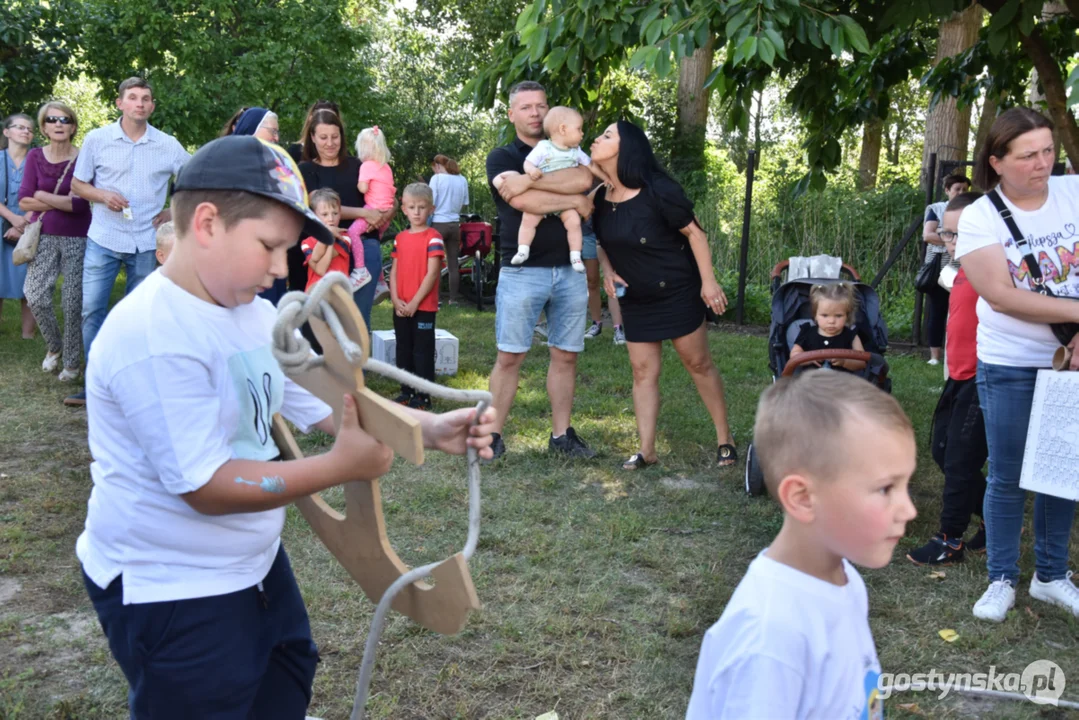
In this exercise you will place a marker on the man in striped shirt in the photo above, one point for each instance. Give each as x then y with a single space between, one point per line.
124 169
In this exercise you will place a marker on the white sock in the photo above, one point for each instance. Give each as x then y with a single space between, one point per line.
522 254
575 260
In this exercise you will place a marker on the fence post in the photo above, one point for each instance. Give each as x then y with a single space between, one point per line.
743 255
930 186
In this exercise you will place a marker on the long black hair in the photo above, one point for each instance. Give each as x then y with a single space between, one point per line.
637 163
638 168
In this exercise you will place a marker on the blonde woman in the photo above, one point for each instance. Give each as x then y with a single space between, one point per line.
63 237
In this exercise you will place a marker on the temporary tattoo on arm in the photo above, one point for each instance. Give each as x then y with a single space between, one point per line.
269 484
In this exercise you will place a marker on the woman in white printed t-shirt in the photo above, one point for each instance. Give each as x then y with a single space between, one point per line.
450 189
1015 341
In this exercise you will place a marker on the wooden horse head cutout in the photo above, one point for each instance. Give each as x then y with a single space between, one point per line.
358 538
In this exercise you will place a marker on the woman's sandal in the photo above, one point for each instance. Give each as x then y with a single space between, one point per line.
727 455
636 462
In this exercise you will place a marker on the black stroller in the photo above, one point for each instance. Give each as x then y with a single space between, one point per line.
790 311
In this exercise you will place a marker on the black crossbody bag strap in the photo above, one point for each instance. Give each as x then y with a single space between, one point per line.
1020 241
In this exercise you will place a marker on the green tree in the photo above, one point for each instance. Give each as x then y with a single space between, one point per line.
37 41
419 104
1017 40
205 58
574 45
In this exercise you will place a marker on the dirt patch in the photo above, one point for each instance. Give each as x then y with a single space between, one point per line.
9 588
682 483
732 328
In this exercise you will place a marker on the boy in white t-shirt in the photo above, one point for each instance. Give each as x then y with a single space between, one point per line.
182 554
794 640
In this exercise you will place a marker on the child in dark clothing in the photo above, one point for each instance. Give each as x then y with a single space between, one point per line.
417 265
959 444
833 309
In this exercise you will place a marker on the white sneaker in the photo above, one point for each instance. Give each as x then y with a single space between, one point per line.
933 361
68 374
382 291
995 603
359 277
1058 592
593 330
619 335
52 361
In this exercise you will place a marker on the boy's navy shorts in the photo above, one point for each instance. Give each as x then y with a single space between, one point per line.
245 655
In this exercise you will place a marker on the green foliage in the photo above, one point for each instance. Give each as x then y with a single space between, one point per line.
417 103
205 58
861 227
37 41
83 94
996 65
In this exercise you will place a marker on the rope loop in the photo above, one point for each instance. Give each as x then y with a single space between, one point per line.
294 353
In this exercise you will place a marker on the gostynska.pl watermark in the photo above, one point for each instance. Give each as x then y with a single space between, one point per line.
1042 682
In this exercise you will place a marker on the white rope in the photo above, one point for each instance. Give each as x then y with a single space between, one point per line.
293 352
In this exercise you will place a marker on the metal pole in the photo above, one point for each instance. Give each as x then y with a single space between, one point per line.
911 229
930 185
743 255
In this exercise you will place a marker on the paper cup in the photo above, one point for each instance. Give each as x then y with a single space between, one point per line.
1062 358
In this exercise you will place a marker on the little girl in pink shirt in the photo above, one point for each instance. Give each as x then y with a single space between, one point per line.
376 184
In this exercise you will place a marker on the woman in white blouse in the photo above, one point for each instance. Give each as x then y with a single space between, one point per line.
1015 341
451 194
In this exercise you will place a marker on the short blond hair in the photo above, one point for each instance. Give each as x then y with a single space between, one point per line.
559 115
43 112
165 236
804 424
419 190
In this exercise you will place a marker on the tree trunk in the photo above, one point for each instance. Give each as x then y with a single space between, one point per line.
900 126
946 126
1052 81
757 129
869 162
691 124
985 122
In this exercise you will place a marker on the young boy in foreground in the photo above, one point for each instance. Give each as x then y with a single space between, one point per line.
794 640
182 554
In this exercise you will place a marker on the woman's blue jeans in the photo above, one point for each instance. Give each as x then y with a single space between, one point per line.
1006 394
365 296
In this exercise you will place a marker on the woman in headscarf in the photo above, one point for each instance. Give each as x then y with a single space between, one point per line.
261 123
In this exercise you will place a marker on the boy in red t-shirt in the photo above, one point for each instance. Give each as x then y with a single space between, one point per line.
959 445
417 265
319 257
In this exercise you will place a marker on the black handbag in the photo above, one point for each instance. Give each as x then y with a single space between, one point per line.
1064 332
927 277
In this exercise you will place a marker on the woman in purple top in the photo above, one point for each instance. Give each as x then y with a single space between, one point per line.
63 237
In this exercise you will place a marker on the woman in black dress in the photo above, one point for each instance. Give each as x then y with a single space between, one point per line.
327 164
651 243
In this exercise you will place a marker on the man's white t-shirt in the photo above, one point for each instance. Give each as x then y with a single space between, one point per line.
1053 233
176 387
789 645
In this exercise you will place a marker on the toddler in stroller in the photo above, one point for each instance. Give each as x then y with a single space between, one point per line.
851 336
833 308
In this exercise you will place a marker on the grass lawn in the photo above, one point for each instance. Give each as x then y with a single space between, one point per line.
597 584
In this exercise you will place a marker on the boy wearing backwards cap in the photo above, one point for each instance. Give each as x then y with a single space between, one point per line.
794 640
181 554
